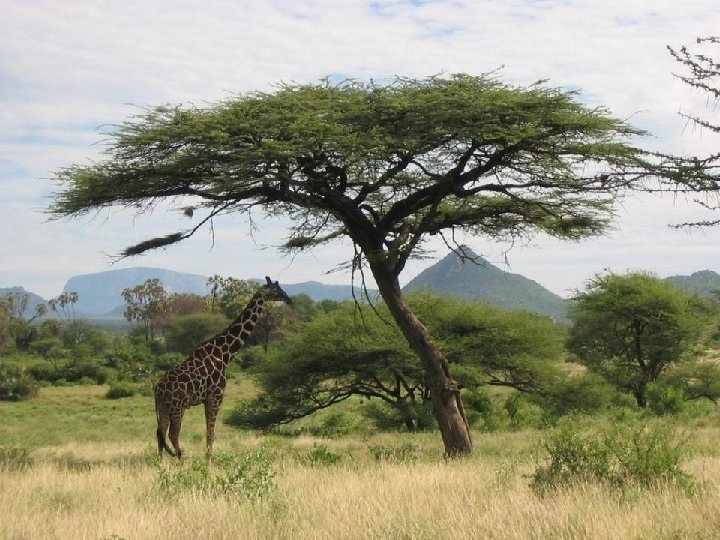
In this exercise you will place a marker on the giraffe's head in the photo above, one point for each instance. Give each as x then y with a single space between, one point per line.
272 291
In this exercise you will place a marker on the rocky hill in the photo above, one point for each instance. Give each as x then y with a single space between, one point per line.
480 280
705 284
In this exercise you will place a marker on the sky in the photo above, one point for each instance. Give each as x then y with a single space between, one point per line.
70 70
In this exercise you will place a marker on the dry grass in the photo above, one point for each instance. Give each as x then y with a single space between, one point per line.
108 491
93 477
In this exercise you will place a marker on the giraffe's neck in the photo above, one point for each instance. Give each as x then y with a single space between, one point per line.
234 337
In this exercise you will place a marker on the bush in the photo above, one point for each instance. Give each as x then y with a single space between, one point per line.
16 385
409 415
522 412
665 400
13 458
481 411
622 455
230 475
121 390
336 424
319 455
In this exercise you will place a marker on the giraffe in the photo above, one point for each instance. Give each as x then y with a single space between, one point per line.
201 377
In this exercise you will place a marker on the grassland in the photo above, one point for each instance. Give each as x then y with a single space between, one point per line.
90 471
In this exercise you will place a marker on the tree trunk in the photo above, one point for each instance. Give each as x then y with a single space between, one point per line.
444 391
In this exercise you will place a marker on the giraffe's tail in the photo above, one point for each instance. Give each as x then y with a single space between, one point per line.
162 443
162 423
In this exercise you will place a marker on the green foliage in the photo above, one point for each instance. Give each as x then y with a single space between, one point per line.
351 351
623 455
148 303
229 295
407 415
631 328
121 390
250 475
481 411
665 400
16 384
491 346
319 455
697 380
185 333
15 458
523 412
586 392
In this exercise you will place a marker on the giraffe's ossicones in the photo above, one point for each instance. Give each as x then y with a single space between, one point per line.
201 377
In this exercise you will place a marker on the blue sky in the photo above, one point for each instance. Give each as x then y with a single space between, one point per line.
69 68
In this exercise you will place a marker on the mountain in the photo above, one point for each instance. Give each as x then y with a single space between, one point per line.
100 294
480 280
705 284
33 301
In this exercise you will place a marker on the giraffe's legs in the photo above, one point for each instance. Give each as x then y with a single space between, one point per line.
212 406
175 424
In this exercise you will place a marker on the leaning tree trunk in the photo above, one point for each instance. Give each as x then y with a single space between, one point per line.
444 391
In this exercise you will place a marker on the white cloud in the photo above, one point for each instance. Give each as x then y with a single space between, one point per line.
68 67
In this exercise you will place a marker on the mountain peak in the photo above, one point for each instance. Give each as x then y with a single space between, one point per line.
470 276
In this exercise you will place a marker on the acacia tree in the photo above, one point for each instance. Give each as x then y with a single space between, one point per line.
631 328
385 165
701 72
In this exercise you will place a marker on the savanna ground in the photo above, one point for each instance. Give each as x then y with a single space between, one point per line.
76 465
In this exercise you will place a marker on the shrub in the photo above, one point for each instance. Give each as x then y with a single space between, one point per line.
411 415
13 458
336 424
482 413
522 412
16 385
319 455
665 400
249 475
622 455
121 390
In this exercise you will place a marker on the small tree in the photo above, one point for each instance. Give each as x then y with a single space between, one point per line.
64 306
146 302
630 328
229 295
12 318
385 165
184 333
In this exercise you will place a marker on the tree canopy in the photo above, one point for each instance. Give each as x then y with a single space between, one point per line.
631 328
385 164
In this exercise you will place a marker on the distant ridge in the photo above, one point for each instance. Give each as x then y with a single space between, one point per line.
705 284
480 280
100 294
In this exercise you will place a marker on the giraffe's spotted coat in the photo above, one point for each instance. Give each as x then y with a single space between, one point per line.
201 377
